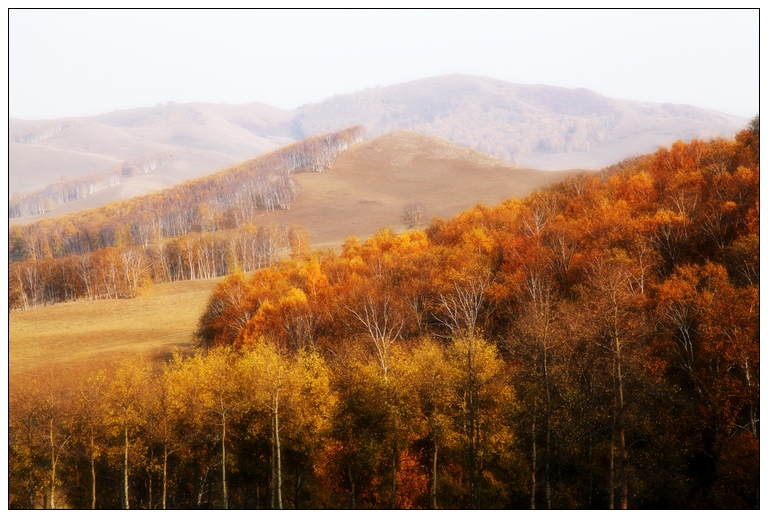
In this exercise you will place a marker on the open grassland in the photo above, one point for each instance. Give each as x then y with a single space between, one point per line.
95 332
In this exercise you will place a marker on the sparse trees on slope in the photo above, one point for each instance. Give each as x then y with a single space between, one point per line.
271 380
413 215
709 351
536 339
27 450
220 398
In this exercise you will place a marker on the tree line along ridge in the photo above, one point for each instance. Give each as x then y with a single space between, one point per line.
200 229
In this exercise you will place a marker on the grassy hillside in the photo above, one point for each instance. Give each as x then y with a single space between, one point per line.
88 333
371 183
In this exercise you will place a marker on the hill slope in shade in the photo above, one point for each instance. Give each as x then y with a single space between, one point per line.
371 183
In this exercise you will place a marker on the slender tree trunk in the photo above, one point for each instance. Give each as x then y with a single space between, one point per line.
125 470
224 496
53 465
93 473
548 433
202 482
591 473
611 483
752 413
278 464
152 461
30 477
433 485
297 488
478 467
394 479
533 458
273 469
621 427
351 484
471 427
275 491
612 478
619 416
165 468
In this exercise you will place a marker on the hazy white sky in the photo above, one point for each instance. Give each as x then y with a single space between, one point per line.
84 62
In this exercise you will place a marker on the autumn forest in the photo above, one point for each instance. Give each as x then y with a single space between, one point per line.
592 346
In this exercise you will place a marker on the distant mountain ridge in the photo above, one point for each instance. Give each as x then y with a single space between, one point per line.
534 126
529 125
201 138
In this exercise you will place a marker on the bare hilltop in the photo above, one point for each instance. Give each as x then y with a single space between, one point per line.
372 183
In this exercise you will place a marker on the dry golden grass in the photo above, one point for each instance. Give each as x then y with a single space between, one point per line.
370 184
92 333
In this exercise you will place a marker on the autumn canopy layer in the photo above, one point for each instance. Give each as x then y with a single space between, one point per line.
595 345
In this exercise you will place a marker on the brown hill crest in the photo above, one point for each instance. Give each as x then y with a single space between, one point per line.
372 182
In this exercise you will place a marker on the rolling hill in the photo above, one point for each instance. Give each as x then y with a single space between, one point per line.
200 138
534 126
366 186
530 125
371 183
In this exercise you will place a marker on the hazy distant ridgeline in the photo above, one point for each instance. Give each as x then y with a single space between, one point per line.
502 119
201 138
59 193
65 191
534 126
29 134
531 125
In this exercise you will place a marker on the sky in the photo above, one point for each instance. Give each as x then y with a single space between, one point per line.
65 63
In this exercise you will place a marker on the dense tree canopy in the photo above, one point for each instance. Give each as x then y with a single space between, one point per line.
595 345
